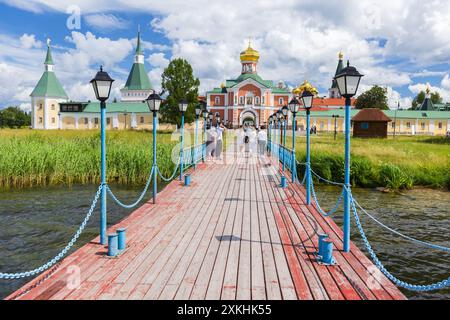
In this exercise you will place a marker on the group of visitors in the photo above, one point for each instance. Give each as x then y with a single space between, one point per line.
252 140
214 141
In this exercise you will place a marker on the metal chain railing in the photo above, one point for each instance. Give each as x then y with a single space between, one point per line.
63 252
319 208
390 276
173 174
134 204
424 243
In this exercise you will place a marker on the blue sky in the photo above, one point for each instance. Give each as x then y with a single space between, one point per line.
401 45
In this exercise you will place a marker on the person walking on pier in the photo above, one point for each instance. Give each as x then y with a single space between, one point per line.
262 141
219 141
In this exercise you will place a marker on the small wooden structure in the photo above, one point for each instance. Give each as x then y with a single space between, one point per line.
370 123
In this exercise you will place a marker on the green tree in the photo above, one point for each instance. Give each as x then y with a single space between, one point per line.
376 97
418 99
14 117
178 80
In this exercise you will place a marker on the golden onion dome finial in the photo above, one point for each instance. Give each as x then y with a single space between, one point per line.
341 55
249 54
305 86
222 85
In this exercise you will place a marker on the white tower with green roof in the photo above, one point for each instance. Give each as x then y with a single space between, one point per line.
138 86
46 97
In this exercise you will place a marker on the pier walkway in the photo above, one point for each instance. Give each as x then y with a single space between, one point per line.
232 234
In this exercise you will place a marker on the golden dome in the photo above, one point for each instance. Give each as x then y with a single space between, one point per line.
250 54
303 87
341 55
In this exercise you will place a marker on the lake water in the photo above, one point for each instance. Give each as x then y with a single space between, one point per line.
36 223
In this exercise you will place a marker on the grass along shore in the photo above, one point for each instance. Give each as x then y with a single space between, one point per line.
400 163
38 158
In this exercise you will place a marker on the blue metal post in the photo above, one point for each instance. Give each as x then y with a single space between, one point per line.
204 139
284 144
121 239
269 134
103 237
347 178
182 145
155 165
195 142
294 163
113 245
308 159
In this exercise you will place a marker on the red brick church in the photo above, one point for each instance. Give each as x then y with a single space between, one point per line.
251 99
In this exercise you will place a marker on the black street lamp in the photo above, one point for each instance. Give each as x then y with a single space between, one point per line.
348 81
307 100
335 116
294 106
154 103
182 105
102 84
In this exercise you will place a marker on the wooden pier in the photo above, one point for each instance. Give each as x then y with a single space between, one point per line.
232 234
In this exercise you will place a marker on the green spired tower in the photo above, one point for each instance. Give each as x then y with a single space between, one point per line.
138 86
46 97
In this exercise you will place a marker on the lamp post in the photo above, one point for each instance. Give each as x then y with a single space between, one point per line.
348 81
102 84
269 133
294 106
395 117
335 116
154 103
284 111
198 112
182 105
307 100
205 119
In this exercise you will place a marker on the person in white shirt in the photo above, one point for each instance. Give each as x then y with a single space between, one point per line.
262 141
210 142
219 141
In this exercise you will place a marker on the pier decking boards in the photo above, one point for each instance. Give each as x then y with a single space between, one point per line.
232 234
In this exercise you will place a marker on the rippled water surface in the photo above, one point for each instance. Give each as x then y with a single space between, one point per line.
36 223
421 213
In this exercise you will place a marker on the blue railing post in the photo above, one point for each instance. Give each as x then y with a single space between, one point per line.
204 140
182 145
284 144
195 142
155 165
347 178
269 134
308 159
293 162
103 237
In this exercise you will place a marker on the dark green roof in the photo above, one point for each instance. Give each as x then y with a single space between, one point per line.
427 105
48 57
138 78
254 76
405 114
267 83
49 86
113 107
138 46
339 68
